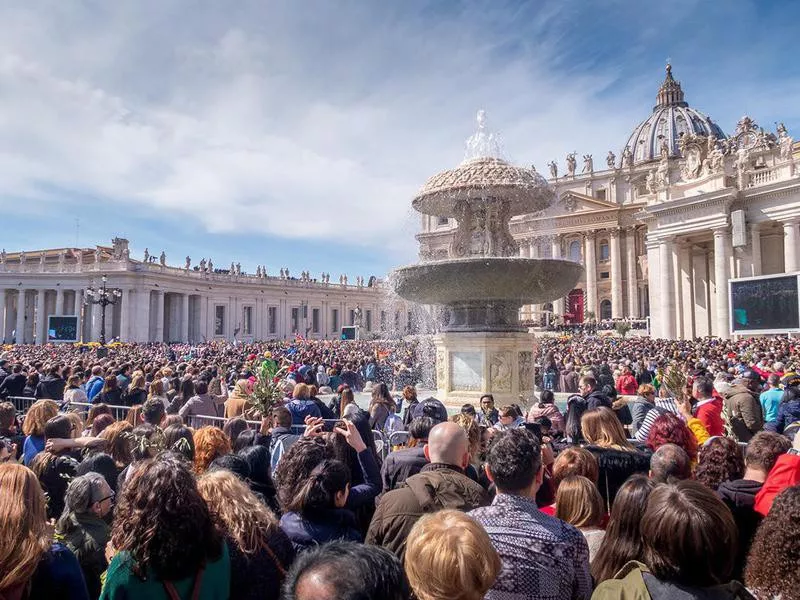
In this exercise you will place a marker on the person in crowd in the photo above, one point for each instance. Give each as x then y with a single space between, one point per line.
31 383
118 438
576 406
440 484
260 553
546 407
402 464
772 562
164 541
95 384
669 464
626 384
488 414
450 557
743 406
124 377
31 564
641 405
708 409
233 428
9 428
381 407
33 427
509 418
135 394
55 469
578 503
568 381
618 459
99 425
95 410
770 398
720 460
152 411
134 416
347 403
180 439
102 464
789 408
203 403
14 384
83 527
52 385
346 571
622 541
281 435
183 391
73 392
301 405
209 443
110 393
236 403
156 391
572 460
260 480
542 557
683 529
668 428
410 401
590 391
739 494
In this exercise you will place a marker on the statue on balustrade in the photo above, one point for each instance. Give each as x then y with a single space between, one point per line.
202 265
163 258
3 257
611 160
627 157
571 164
210 266
188 264
588 164
553 169
146 255
22 258
238 268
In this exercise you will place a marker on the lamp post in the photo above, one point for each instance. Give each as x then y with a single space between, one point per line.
102 297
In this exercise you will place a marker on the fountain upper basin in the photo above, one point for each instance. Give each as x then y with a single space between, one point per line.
511 280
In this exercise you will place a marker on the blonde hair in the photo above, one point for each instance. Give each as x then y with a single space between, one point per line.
578 502
300 391
473 431
137 381
237 511
156 388
601 427
449 556
23 525
38 414
77 424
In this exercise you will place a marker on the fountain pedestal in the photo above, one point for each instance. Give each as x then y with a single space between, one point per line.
470 364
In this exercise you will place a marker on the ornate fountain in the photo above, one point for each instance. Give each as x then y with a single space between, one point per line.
483 282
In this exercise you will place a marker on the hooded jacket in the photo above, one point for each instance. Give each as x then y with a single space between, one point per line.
596 399
436 487
744 410
326 526
51 387
740 496
788 411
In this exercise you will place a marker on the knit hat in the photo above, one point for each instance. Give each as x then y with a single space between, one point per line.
791 378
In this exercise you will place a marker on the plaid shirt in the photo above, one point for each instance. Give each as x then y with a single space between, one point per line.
543 557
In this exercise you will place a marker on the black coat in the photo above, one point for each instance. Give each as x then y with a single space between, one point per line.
54 479
328 525
596 399
134 397
13 385
740 496
51 387
261 574
401 465
615 468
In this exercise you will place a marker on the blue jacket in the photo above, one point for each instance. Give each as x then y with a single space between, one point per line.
94 386
328 525
788 413
300 409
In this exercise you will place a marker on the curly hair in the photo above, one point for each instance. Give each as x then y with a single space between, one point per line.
473 431
721 460
119 442
162 521
772 563
209 443
670 429
38 414
295 467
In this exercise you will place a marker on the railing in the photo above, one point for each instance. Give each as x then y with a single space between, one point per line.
763 176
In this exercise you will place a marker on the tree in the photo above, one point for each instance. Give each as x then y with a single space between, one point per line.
622 327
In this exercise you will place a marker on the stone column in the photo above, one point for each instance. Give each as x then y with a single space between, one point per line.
534 249
790 246
590 264
686 276
184 317
666 289
159 332
59 301
124 304
555 252
616 276
722 253
2 315
202 333
630 265
755 237
20 328
524 249
41 317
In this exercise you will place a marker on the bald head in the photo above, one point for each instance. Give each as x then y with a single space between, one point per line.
447 443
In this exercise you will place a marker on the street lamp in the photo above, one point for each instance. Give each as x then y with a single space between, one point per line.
102 297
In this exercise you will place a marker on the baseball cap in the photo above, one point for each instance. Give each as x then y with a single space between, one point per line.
431 407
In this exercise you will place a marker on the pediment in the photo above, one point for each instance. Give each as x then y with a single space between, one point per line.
576 202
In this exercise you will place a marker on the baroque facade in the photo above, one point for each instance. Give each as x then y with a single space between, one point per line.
662 228
183 304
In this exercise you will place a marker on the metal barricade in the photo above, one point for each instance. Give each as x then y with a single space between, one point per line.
21 403
398 438
198 421
381 443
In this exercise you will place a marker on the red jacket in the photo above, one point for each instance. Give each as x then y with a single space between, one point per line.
626 385
710 415
784 474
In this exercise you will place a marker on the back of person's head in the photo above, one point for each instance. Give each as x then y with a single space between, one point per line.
153 411
59 427
508 410
119 442
100 423
410 393
623 539
669 464
514 461
326 488
720 460
546 397
281 417
588 380
764 449
575 460
450 556
296 465
601 427
703 387
420 428
576 406
300 391
233 464
233 427
8 415
24 537
431 407
258 459
209 443
448 444
774 380
162 522
37 416
148 441
110 384
201 387
346 571
669 428
578 502
83 495
689 535
772 570
102 464
137 381
469 410
95 411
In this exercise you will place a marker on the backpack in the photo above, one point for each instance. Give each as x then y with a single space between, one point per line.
392 423
278 448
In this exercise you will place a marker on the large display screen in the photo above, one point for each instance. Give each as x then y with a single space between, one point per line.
768 305
62 329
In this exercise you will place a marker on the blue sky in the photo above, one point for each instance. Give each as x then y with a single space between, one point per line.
295 133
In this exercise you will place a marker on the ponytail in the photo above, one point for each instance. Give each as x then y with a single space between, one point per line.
319 491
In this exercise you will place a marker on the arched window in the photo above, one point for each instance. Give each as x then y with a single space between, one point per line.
605 309
575 251
604 253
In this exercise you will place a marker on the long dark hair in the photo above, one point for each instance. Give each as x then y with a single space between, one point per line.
295 466
162 521
319 490
576 406
623 540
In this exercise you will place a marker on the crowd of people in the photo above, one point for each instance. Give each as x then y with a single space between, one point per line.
671 471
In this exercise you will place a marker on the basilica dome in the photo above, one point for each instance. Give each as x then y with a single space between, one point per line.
671 118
